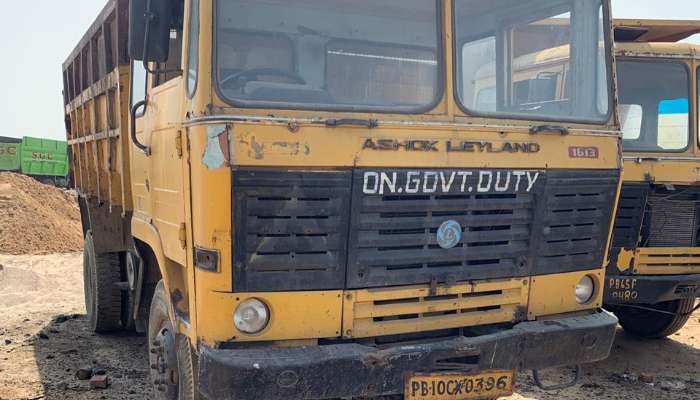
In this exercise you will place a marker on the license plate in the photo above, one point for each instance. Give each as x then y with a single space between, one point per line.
459 386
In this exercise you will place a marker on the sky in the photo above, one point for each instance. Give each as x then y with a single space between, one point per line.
35 41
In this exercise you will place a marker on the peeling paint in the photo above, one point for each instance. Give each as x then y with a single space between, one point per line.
257 149
217 153
625 260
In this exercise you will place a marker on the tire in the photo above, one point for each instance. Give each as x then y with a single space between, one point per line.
171 351
649 324
103 298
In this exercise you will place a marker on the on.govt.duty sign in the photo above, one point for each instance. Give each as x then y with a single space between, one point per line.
450 181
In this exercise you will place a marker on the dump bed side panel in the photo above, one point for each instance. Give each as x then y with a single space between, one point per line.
9 153
96 98
44 157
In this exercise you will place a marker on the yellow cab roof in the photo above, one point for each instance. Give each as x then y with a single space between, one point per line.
656 38
654 30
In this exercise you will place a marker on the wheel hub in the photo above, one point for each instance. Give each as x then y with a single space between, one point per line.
164 364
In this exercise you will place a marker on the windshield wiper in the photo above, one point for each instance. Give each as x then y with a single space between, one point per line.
549 128
367 123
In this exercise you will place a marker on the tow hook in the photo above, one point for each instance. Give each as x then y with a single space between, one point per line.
573 382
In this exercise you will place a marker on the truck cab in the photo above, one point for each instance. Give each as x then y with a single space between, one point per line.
654 276
309 200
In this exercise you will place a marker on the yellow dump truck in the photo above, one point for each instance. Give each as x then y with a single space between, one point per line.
654 276
310 199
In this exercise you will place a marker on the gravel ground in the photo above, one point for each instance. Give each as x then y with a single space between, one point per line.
44 340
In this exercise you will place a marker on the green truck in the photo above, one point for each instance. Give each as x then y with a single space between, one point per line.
43 159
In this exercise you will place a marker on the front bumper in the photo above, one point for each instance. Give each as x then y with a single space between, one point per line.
650 289
357 370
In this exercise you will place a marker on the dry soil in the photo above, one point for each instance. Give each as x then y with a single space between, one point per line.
44 340
37 218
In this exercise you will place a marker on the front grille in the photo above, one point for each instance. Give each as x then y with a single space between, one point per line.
382 312
672 219
577 213
301 230
561 224
630 215
394 238
291 230
655 216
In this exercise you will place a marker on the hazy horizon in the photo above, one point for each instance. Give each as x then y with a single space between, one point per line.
35 49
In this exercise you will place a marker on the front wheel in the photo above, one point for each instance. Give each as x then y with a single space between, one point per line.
650 324
171 357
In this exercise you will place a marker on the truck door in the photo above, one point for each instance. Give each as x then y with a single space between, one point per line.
158 177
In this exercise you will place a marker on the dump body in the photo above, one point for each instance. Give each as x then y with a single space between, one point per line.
352 196
10 154
655 258
44 157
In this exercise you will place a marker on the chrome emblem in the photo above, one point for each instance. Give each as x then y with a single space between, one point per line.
449 234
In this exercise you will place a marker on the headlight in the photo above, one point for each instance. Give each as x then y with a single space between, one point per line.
585 290
251 316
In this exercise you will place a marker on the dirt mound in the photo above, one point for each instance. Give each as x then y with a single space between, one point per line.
37 218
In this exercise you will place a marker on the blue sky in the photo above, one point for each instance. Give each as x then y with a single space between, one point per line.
35 41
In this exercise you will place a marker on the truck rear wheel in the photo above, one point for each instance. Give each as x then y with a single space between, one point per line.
171 357
103 298
650 324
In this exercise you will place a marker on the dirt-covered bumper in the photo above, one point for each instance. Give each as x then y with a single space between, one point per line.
650 289
352 369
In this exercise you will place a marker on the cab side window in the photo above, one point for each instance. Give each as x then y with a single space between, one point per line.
139 77
193 53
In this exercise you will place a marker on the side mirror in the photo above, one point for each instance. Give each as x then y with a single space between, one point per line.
149 30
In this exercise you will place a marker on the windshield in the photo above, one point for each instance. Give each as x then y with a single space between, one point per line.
540 59
329 54
654 106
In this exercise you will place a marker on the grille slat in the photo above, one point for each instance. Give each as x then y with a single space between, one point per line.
567 246
292 243
428 237
553 217
288 225
376 221
291 262
294 207
375 257
461 203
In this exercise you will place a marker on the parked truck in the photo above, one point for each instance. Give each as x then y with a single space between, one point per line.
43 159
304 200
654 277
